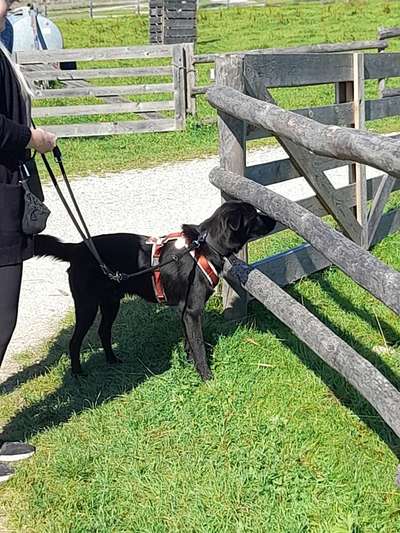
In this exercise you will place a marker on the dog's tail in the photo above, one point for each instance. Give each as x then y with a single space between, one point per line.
47 245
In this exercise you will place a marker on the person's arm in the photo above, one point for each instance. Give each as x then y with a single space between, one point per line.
14 137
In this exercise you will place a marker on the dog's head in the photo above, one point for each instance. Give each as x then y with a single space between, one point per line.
233 224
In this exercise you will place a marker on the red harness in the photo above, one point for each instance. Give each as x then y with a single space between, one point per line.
202 262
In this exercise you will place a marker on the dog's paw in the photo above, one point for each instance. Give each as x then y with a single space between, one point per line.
206 375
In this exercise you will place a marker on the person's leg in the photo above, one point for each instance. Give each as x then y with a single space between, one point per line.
10 288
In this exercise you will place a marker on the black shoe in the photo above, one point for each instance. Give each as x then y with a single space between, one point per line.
5 472
15 451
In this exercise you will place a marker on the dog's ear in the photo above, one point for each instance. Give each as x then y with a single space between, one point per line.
235 220
190 231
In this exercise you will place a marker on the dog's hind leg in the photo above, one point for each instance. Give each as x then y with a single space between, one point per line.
85 313
109 310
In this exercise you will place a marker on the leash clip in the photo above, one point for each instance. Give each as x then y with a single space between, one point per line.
200 240
113 276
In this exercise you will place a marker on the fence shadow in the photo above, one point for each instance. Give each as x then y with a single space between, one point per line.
146 336
340 388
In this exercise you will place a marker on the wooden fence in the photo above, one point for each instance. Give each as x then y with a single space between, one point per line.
328 140
200 59
347 72
91 8
103 8
44 65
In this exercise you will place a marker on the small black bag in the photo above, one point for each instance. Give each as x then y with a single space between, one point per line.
36 213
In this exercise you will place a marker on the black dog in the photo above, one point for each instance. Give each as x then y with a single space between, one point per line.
185 285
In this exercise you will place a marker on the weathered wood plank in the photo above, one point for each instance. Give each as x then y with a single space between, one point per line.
178 61
190 78
382 108
86 74
365 269
94 90
289 70
232 154
308 49
294 264
385 65
346 196
382 195
102 109
112 128
303 260
359 168
185 24
391 93
283 170
93 54
375 150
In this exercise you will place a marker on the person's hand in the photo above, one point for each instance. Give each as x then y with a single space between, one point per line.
42 141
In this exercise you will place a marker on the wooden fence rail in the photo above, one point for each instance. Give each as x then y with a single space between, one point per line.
91 8
359 372
251 74
199 59
329 141
384 34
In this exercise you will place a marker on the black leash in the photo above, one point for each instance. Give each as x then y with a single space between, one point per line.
85 234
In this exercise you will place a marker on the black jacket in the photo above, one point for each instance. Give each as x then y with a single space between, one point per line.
14 136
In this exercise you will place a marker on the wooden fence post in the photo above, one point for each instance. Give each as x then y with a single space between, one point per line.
178 66
232 142
190 78
358 169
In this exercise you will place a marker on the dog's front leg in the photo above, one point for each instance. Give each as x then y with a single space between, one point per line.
194 342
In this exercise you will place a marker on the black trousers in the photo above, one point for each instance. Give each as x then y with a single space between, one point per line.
10 287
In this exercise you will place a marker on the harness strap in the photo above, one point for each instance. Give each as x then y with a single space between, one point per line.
202 262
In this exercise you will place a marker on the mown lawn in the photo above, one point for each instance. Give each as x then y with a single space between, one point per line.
221 31
276 442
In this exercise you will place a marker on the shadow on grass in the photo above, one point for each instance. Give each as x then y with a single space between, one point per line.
345 393
391 336
144 336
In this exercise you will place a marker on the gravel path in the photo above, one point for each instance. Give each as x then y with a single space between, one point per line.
152 201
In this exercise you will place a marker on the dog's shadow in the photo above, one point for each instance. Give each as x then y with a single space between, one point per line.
148 338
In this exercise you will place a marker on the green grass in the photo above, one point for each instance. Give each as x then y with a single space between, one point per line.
276 442
221 31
